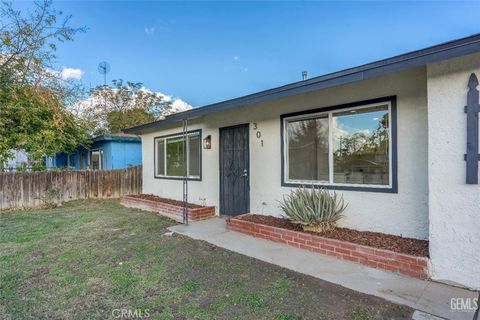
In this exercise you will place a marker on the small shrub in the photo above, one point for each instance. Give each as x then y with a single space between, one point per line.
22 167
51 198
315 209
38 166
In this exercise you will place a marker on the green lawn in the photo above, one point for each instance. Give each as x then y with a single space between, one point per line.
88 259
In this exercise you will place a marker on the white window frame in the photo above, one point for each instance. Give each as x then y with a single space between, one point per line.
330 113
100 157
175 136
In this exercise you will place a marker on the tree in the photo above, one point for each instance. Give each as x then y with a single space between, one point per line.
37 123
125 104
33 97
28 41
119 120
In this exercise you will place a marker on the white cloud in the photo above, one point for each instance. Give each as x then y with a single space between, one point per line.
178 105
67 73
339 130
149 30
71 73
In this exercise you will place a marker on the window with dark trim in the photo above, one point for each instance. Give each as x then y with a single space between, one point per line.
169 157
348 147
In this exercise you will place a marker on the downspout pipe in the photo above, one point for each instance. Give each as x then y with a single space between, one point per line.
185 172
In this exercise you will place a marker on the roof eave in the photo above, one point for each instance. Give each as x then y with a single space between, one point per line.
113 138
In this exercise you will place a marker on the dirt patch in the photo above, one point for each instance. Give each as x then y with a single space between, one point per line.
39 278
379 240
152 197
39 273
38 254
97 286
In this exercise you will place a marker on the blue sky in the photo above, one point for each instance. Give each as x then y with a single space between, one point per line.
205 52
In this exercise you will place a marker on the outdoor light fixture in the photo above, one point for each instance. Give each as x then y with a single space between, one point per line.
207 142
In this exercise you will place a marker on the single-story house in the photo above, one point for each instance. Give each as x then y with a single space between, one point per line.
394 137
109 151
19 159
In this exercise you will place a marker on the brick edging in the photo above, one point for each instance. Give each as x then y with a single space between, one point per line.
405 264
167 209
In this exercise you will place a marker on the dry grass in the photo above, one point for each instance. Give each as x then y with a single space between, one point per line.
88 258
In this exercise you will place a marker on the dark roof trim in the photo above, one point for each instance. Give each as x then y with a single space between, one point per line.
116 138
402 62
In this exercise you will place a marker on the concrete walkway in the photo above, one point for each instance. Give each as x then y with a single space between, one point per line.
430 297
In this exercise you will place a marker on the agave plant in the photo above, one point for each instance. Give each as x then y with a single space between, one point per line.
315 209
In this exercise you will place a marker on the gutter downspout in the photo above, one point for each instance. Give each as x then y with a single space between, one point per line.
185 172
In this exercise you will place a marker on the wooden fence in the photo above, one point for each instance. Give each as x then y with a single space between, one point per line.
32 189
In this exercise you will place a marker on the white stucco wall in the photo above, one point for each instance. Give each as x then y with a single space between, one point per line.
454 206
404 213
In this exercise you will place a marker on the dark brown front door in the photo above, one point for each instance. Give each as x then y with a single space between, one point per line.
234 170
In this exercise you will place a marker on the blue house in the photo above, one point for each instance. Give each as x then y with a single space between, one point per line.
110 151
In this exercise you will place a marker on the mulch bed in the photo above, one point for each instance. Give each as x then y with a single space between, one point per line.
152 197
379 240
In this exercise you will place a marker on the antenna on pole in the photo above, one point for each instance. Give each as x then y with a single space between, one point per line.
104 68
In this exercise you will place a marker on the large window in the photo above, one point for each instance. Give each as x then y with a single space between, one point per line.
345 147
170 156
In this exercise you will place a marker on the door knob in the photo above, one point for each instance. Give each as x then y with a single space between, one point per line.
245 173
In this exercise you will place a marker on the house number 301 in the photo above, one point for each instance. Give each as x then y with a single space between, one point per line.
258 134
